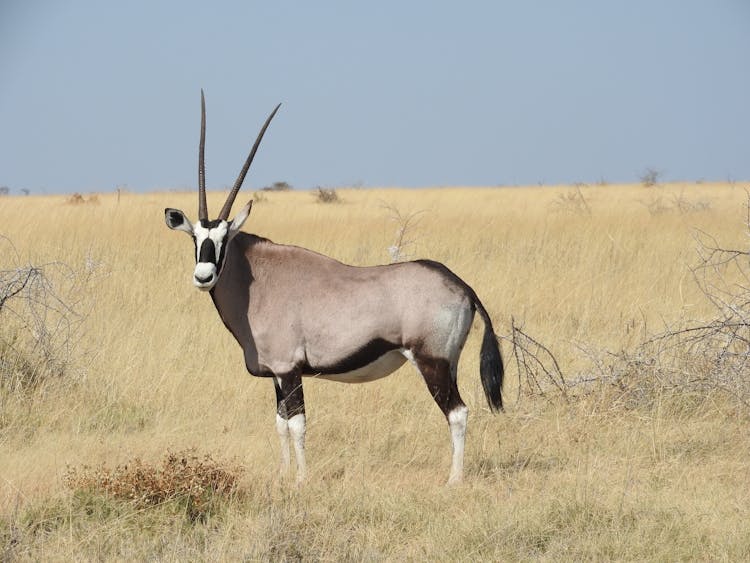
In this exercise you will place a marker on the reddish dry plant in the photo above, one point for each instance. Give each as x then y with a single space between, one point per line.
78 199
180 476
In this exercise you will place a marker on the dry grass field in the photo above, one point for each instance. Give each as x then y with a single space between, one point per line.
625 464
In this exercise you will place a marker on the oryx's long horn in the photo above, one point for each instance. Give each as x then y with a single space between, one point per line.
238 184
202 207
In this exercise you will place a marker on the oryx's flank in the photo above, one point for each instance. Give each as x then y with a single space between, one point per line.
297 313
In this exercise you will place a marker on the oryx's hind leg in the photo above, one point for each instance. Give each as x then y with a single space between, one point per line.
440 376
290 420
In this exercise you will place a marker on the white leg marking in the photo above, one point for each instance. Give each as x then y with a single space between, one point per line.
457 420
297 431
282 427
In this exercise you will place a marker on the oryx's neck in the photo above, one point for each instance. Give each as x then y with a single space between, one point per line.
231 294
261 283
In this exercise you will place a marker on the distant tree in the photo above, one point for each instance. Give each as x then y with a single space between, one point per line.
4 190
25 191
650 177
277 187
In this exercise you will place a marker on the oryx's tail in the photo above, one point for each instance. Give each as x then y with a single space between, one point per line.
490 362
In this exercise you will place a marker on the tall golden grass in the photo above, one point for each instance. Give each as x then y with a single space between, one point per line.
153 370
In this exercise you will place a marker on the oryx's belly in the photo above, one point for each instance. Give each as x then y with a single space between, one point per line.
382 366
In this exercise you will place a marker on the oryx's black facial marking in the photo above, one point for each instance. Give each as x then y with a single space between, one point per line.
207 252
211 239
211 224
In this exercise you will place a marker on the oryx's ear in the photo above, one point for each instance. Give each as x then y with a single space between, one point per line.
240 219
176 220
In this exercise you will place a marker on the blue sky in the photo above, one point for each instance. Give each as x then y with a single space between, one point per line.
97 94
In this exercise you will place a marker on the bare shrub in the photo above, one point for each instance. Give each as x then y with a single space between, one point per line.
194 481
658 204
719 346
326 195
41 314
683 205
699 357
405 237
572 201
691 360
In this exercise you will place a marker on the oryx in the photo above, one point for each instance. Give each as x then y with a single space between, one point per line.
297 313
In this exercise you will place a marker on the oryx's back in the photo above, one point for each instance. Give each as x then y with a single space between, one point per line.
319 293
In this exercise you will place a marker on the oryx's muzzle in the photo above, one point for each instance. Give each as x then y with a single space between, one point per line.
205 275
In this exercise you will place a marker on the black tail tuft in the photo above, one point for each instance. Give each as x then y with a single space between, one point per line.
491 364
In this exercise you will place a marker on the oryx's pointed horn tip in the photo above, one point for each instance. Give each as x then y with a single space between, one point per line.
224 214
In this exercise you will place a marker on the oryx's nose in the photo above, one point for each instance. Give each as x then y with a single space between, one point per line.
204 275
207 279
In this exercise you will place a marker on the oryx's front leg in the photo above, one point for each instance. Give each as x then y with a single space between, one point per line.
282 427
290 420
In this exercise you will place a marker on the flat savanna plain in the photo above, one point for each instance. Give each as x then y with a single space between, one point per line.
588 271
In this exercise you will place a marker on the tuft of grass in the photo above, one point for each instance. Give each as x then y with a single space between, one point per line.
18 371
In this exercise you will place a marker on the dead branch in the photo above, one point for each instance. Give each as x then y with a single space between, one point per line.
41 316
535 364
405 237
